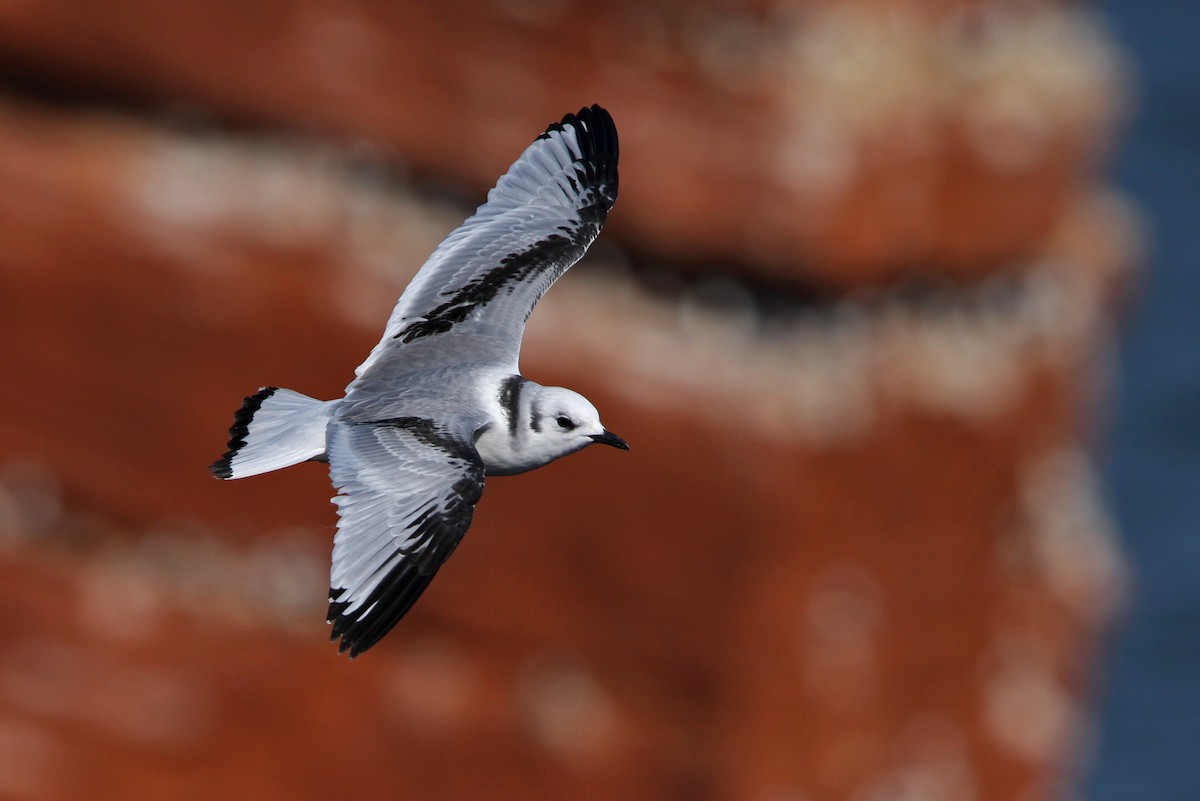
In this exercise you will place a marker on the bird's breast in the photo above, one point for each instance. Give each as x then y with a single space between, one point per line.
504 455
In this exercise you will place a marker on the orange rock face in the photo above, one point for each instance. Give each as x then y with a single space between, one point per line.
832 143
855 552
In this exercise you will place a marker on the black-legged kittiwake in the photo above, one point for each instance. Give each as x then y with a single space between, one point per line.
440 402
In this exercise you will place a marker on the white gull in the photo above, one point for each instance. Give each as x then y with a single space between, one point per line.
440 401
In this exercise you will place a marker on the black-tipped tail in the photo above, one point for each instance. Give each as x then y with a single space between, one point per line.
274 428
223 467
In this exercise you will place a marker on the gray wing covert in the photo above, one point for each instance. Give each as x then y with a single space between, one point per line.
483 281
407 492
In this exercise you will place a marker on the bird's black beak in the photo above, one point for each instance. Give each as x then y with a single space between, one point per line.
609 438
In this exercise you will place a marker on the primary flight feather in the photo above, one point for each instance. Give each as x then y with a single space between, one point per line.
440 402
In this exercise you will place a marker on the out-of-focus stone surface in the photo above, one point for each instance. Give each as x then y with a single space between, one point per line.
855 552
836 144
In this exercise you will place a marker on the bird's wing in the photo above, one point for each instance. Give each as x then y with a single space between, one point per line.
472 297
407 489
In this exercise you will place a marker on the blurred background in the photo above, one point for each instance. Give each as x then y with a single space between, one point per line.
896 309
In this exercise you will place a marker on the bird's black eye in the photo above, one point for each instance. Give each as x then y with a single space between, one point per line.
565 422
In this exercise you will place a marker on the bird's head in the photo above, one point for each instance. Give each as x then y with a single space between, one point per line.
568 420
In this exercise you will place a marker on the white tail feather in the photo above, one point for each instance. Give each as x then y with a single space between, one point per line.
274 428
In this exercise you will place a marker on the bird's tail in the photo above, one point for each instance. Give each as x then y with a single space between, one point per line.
274 428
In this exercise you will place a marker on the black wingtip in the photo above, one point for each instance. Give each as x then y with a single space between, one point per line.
223 467
596 134
600 127
600 130
389 602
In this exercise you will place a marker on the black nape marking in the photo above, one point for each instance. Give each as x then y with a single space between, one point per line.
223 467
510 400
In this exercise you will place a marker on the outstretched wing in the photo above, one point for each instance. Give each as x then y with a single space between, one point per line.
407 492
472 297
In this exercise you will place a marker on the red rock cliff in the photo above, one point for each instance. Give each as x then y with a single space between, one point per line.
851 311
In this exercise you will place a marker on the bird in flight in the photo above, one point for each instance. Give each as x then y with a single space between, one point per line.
440 402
